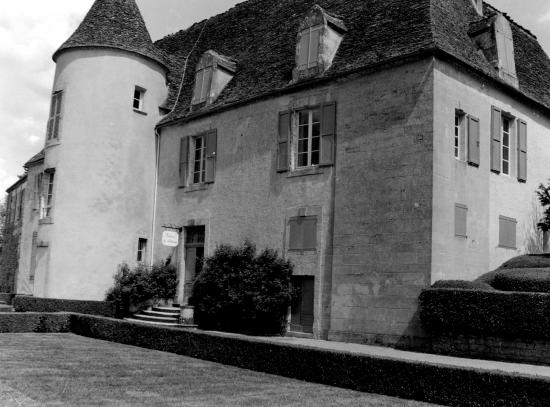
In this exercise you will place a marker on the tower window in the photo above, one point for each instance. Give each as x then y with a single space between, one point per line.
141 251
139 95
54 120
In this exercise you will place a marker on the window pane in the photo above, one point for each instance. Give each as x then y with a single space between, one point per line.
302 160
505 169
314 157
315 143
505 154
314 48
316 130
506 124
316 115
506 139
304 117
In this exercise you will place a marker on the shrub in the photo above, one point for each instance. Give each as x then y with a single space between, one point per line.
137 286
463 284
25 303
240 291
523 279
527 261
13 322
488 313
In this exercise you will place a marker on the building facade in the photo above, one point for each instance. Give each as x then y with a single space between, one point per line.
380 146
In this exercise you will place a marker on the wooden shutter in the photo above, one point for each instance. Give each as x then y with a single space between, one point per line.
303 50
295 234
211 147
522 151
461 220
507 232
328 132
184 160
496 128
283 142
473 141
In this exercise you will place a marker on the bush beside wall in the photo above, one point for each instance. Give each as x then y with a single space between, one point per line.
489 313
414 380
35 304
11 322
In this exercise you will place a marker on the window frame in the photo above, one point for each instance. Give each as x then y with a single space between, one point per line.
141 254
310 137
46 201
55 117
506 147
201 160
140 99
501 233
301 221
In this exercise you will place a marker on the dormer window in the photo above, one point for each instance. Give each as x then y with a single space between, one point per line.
214 72
493 36
318 40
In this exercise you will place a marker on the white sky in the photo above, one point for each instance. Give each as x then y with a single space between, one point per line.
31 30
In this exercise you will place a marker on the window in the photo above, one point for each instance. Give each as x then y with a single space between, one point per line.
198 159
20 207
303 233
461 220
507 232
309 135
309 47
46 197
139 96
505 167
213 73
142 248
54 121
458 130
466 138
318 40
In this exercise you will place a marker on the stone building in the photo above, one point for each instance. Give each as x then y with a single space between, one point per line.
379 145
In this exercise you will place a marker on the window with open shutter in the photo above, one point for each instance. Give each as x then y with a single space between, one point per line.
522 151
282 142
496 126
328 133
211 147
54 121
184 160
473 141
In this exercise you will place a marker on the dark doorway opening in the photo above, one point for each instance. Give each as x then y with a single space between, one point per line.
194 255
301 318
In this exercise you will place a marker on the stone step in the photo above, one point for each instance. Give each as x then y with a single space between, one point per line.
151 318
141 321
172 310
159 313
6 308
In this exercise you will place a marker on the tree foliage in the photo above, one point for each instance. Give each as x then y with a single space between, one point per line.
141 284
241 291
543 193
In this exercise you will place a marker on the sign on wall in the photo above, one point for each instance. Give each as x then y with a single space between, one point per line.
170 238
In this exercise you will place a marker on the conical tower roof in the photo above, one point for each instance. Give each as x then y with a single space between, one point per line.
114 24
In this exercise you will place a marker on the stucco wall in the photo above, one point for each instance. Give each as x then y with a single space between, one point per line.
382 211
104 171
487 195
382 225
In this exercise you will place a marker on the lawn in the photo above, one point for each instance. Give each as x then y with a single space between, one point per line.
70 370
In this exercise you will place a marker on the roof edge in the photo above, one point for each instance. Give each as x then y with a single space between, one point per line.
16 183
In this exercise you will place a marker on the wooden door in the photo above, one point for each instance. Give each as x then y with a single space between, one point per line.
301 319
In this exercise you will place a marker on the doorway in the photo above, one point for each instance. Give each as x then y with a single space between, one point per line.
194 255
301 311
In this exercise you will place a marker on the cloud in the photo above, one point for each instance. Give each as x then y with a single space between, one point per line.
30 31
544 18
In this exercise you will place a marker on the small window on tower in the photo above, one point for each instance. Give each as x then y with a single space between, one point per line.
142 247
139 95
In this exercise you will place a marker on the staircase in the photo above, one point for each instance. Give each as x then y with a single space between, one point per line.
5 307
160 316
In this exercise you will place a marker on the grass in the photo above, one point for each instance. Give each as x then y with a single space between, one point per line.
70 370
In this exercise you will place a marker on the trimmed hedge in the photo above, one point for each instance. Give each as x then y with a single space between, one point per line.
488 313
443 384
35 304
527 261
471 285
34 322
523 279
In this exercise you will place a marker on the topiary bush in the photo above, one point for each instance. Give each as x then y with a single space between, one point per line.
239 290
133 287
523 279
463 284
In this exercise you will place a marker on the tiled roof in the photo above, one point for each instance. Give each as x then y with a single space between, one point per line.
261 36
35 159
114 24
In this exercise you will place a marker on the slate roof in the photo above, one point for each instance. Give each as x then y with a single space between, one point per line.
35 159
261 36
114 24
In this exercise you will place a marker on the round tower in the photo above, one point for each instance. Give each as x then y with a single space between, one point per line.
97 188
